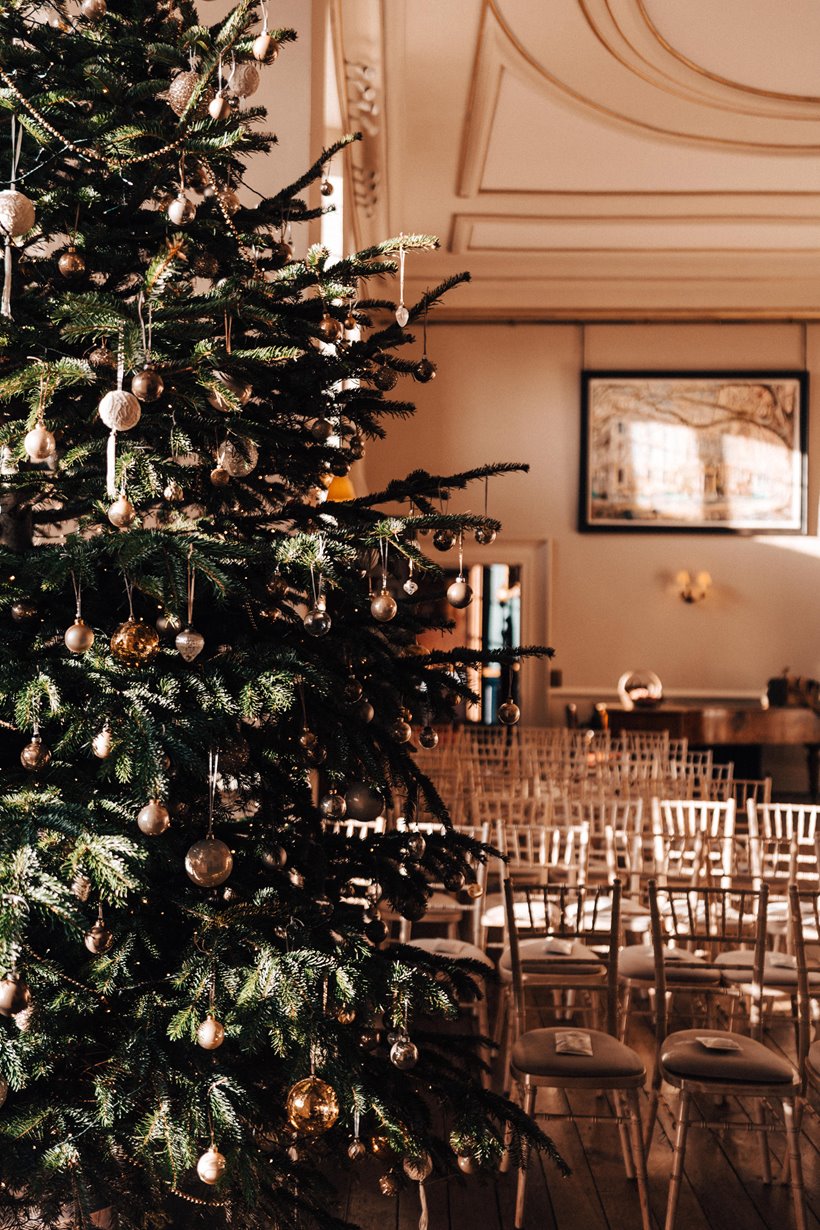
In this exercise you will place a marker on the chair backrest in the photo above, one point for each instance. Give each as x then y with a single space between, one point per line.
543 854
787 837
709 921
804 912
357 828
566 914
685 832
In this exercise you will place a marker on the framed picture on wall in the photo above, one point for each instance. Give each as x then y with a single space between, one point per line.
718 452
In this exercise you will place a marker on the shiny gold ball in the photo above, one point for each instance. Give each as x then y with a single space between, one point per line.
379 1146
15 995
102 743
93 9
72 263
153 819
135 643
211 1166
330 328
459 593
467 1164
485 535
312 1106
388 1184
356 1150
384 607
220 477
346 1016
79 637
122 513
474 890
401 731
35 755
418 1168
209 862
148 384
211 1034
428 737
39 443
509 713
98 939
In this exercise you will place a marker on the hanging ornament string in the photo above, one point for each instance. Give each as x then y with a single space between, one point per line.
191 586
111 451
145 330
129 589
402 314
229 329
16 146
78 589
384 547
213 776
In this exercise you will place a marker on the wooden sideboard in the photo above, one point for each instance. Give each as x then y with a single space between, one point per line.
728 726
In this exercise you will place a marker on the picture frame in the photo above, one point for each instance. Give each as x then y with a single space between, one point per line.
694 452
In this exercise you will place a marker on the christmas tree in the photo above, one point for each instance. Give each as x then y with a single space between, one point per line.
206 665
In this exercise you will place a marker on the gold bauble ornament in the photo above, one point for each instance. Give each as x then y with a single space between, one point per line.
79 637
384 607
98 939
135 643
35 755
119 410
39 443
428 737
234 385
265 48
485 535
122 513
459 593
404 1054
474 890
153 819
209 862
24 611
356 1150
467 1164
181 91
15 995
93 10
211 1034
211 1166
509 713
229 201
379 1146
388 1184
16 213
219 477
418 1168
101 743
346 1016
72 263
312 1106
148 384
173 493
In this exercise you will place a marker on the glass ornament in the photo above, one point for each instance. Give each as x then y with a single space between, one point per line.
135 643
209 862
312 1106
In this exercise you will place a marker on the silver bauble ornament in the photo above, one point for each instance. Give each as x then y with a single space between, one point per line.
189 644
485 536
443 539
39 443
16 213
428 737
79 637
239 458
384 607
211 1166
98 939
119 410
102 743
211 1034
332 805
181 210
317 622
459 593
244 80
153 819
509 713
122 513
209 862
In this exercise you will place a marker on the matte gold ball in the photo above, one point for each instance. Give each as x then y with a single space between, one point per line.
148 384
72 263
211 1166
153 819
35 755
135 643
211 1034
98 939
312 1106
220 477
79 637
209 862
219 108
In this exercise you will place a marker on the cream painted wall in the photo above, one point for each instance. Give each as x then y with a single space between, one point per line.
512 392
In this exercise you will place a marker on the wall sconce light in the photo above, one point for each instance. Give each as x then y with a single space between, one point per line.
693 589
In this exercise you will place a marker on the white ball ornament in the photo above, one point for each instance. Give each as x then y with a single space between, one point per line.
122 513
119 410
211 1166
16 213
39 443
181 210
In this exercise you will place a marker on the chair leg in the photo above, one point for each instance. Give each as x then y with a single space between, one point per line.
759 1117
626 1004
482 1021
792 1121
521 1191
681 1129
623 1132
652 1112
639 1157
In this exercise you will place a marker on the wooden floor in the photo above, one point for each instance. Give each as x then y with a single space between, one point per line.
722 1190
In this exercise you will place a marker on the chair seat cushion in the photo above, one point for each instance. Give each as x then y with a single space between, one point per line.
534 951
779 969
453 950
534 1054
683 1056
638 961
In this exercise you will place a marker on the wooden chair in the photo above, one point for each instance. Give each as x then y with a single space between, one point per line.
805 921
732 1065
568 965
